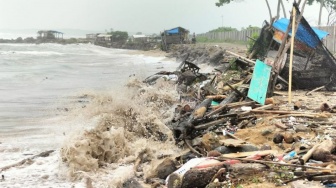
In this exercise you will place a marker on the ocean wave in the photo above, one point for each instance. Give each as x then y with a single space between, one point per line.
130 127
34 53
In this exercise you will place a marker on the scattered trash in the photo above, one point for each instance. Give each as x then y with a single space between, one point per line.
236 127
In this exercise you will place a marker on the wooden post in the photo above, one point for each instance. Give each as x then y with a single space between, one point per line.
291 58
334 42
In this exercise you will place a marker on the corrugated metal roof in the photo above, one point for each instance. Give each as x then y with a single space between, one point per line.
139 36
104 35
301 34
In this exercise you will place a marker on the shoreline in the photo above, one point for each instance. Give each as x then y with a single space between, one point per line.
48 171
51 170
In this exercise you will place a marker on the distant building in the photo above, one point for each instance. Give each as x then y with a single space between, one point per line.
176 35
49 34
154 38
92 36
139 38
103 39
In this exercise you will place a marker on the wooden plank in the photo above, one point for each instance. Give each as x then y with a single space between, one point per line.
250 153
259 82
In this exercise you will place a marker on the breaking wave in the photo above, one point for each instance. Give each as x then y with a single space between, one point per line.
131 131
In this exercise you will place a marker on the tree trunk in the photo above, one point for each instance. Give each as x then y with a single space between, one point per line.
323 151
278 10
269 10
320 14
283 8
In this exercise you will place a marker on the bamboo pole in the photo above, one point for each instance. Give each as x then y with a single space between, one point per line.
240 57
334 42
291 58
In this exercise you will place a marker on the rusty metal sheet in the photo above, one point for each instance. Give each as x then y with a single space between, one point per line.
259 82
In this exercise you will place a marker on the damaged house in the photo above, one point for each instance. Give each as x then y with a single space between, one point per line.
49 34
313 64
176 35
103 39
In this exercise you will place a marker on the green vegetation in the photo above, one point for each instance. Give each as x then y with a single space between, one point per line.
118 35
233 65
203 39
222 2
206 39
223 29
251 41
250 27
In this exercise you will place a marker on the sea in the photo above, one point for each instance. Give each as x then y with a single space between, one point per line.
52 94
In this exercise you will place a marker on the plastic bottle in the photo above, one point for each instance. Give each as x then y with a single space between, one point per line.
289 156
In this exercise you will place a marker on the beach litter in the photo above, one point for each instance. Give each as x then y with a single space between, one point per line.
239 129
231 127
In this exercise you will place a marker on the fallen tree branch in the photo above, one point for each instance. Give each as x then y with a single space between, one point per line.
275 163
316 89
307 156
209 124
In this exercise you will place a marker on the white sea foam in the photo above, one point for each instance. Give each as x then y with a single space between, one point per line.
36 53
51 101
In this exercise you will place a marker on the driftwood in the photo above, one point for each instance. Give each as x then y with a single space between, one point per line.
265 107
274 163
251 153
216 97
187 142
307 156
43 154
233 96
231 105
241 57
228 87
307 173
240 104
316 89
232 135
317 122
313 116
209 124
324 178
200 110
293 113
323 151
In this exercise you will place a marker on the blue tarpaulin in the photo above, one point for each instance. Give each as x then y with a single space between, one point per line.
173 31
302 35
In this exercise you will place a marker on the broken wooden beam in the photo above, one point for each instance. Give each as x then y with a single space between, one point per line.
209 124
240 57
250 153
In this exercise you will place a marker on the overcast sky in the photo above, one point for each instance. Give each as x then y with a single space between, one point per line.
147 16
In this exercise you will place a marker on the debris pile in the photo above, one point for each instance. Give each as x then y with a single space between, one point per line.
238 129
231 139
233 126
